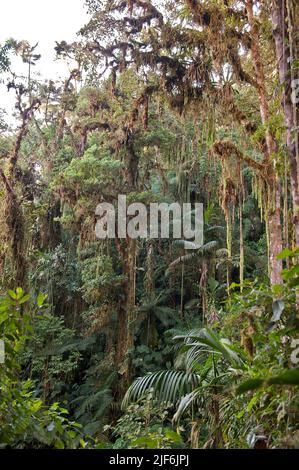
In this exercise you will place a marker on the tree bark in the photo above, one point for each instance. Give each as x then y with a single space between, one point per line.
274 202
126 315
282 46
275 235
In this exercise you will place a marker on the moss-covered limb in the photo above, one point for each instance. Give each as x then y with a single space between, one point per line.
14 232
6 181
226 148
26 114
63 108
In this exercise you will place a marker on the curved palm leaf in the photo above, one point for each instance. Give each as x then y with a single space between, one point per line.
197 342
199 252
167 386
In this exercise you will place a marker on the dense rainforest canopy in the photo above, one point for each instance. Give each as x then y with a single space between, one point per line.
151 342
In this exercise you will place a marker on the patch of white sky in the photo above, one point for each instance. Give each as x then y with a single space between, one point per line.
42 22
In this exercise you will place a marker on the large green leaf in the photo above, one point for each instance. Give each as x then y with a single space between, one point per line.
288 377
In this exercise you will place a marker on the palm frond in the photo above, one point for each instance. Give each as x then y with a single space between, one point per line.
167 386
207 341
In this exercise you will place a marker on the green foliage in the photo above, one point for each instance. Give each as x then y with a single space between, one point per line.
93 172
52 356
217 369
25 419
4 56
99 279
145 426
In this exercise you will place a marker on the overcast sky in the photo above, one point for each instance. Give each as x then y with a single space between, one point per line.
44 22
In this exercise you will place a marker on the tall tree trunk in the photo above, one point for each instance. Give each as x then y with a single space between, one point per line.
274 199
14 231
14 220
128 252
275 233
127 312
241 247
284 61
